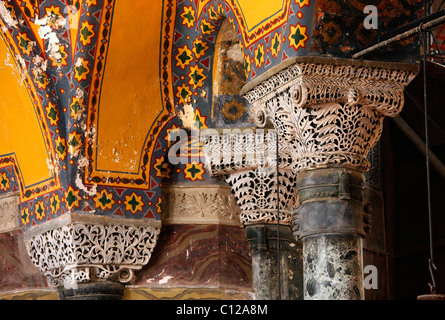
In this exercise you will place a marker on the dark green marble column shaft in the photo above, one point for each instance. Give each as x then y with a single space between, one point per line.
333 268
332 222
277 274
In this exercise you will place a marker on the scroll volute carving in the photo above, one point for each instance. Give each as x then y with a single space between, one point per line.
331 113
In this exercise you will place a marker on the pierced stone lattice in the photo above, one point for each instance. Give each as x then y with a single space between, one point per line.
79 253
248 162
256 194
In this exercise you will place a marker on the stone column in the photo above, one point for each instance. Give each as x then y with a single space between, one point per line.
247 161
329 112
90 257
277 272
331 225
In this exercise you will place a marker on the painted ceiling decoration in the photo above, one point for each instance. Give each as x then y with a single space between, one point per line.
99 92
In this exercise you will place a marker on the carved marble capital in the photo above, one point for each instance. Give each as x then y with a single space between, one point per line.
247 160
81 248
330 111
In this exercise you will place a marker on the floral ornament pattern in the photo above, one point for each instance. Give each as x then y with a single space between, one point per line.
233 110
81 69
72 198
4 182
133 203
259 56
52 114
276 44
54 203
60 144
87 33
25 43
25 216
196 76
60 57
39 210
76 107
74 143
199 48
298 36
188 17
183 57
104 200
194 171
183 94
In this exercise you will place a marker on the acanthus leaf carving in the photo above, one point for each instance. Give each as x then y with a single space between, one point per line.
248 164
208 204
82 252
331 111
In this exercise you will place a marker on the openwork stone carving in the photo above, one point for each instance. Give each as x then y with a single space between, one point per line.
331 113
247 160
78 248
256 194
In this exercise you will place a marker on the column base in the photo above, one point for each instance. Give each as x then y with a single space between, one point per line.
93 291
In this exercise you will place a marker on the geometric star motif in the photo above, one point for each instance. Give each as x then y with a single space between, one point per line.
194 171
133 203
104 200
298 36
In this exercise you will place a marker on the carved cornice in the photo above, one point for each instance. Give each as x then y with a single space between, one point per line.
209 204
81 248
9 212
241 149
330 111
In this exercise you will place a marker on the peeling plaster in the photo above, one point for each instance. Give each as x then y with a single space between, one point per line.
187 116
46 32
79 93
82 162
235 53
16 72
78 62
40 64
116 155
22 66
53 166
79 184
6 15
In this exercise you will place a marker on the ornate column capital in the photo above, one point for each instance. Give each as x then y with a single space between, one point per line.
330 110
247 159
77 249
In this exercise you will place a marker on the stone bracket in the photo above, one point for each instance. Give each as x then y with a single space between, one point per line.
199 204
9 212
